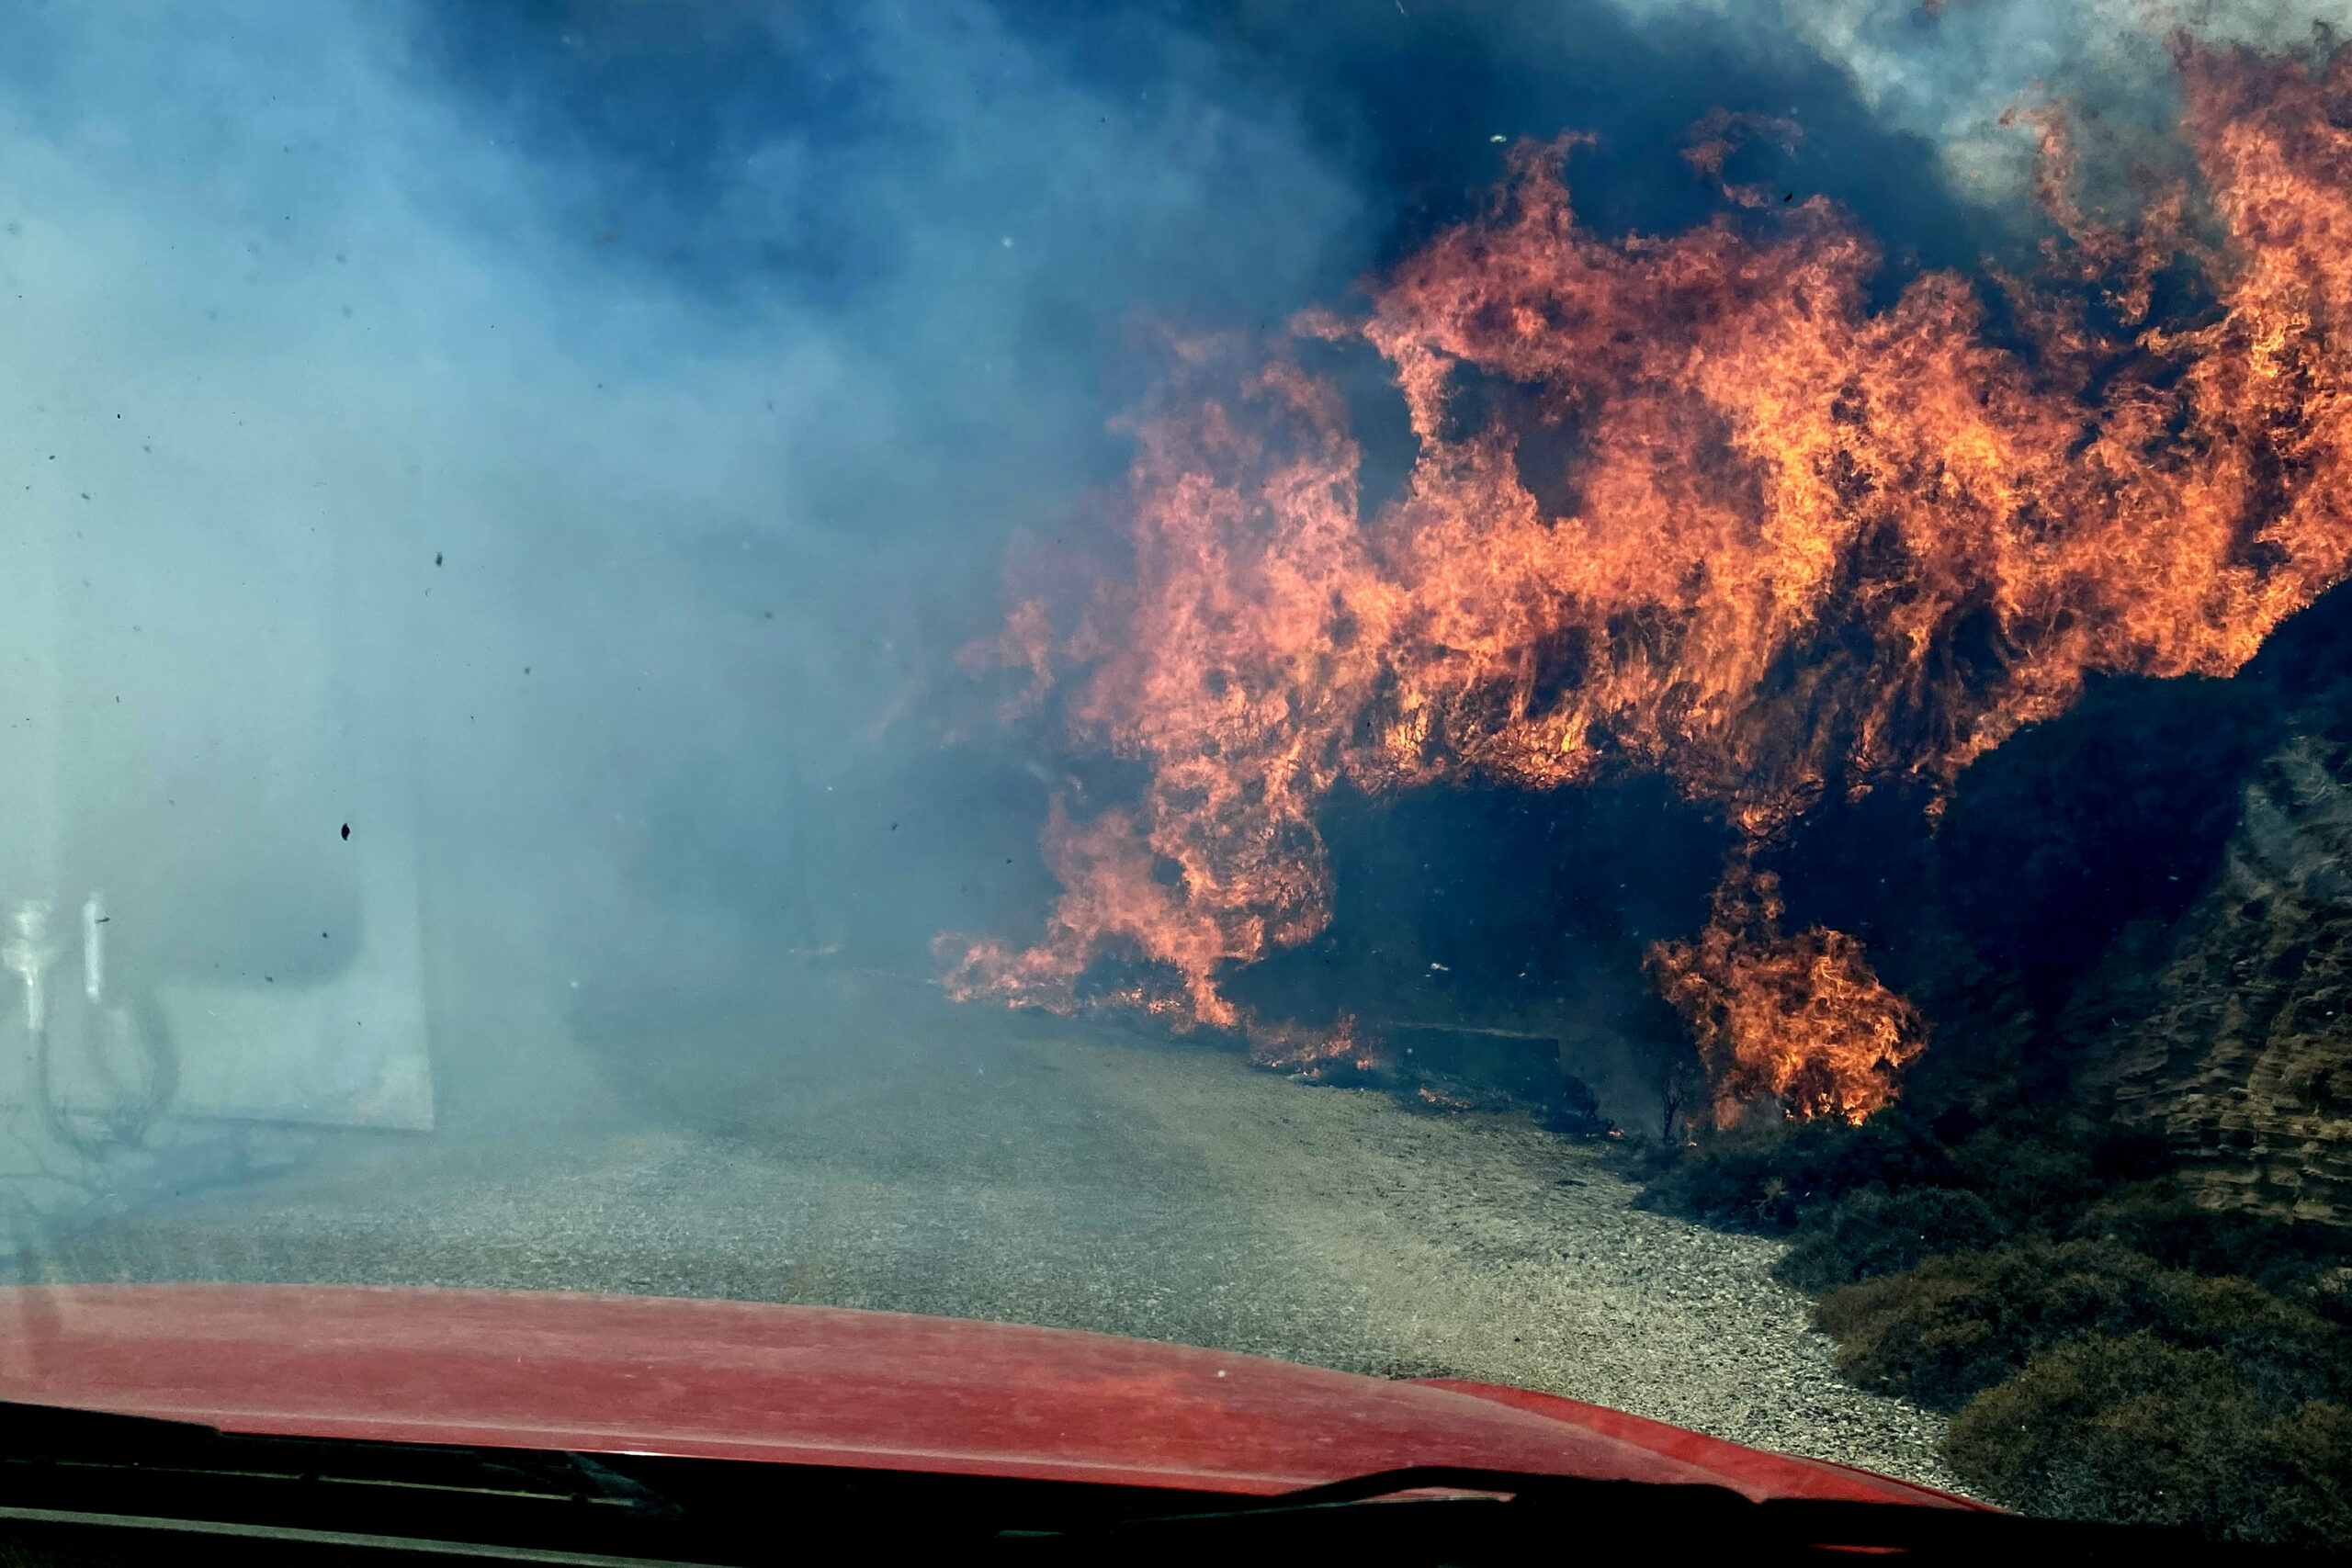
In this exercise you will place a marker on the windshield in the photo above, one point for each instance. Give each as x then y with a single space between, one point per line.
1640 698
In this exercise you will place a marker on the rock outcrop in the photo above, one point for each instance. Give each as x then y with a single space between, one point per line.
2241 1050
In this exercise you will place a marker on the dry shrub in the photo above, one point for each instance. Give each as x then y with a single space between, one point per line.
1763 1180
1951 1328
2138 1430
1874 1232
2298 1260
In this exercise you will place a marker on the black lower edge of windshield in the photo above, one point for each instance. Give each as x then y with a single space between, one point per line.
84 1489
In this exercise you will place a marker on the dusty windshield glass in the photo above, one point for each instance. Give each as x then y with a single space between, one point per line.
1640 698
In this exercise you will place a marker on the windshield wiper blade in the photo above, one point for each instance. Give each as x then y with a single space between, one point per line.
66 1461
65 1435
54 1457
1501 1515
62 1429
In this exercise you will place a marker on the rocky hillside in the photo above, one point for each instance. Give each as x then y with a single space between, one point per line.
2242 1052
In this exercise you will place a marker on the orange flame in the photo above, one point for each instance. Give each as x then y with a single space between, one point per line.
1799 1018
1793 546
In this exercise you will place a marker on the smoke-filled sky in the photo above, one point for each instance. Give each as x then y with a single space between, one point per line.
718 352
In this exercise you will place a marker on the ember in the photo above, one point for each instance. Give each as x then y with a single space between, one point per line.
1790 547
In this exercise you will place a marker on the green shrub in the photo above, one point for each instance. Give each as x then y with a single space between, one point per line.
2113 1349
1874 1232
2288 1354
2330 1295
1763 1180
2311 1457
2299 1260
1955 1326
1952 1327
2141 1431
2035 1177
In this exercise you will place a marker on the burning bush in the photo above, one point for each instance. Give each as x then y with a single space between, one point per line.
1691 505
1797 1021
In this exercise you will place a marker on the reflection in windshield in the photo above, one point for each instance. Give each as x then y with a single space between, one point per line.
1641 699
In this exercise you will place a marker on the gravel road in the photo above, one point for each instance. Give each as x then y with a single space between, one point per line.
990 1165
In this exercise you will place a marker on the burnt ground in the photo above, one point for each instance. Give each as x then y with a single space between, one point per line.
984 1164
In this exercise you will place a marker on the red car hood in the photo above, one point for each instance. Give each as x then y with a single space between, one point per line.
815 1385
